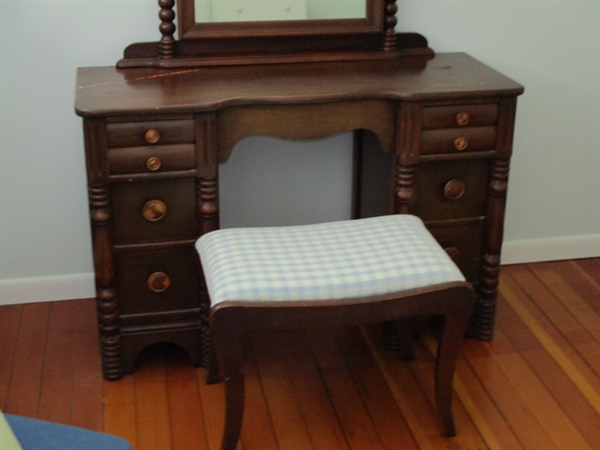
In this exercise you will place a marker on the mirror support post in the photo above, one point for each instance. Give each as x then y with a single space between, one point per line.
389 24
166 47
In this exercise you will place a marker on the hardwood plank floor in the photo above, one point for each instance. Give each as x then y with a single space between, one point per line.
536 385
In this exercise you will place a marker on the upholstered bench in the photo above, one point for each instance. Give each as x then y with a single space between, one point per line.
341 273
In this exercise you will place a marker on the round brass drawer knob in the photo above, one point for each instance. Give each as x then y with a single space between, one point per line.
154 210
461 143
153 163
159 282
454 189
152 136
462 119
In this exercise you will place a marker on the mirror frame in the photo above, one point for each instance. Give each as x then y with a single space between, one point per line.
269 42
190 29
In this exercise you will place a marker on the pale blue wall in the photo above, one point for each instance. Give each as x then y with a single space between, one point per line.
550 47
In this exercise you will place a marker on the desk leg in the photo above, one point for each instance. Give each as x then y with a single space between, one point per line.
482 325
405 188
207 203
106 292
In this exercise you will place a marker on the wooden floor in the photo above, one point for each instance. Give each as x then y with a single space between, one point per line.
535 386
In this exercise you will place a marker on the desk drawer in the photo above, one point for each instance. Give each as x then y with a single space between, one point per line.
451 189
154 211
151 159
462 116
458 140
163 132
153 281
463 243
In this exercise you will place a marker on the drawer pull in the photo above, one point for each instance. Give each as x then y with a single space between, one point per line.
152 136
462 119
159 282
454 189
461 143
154 210
453 253
153 163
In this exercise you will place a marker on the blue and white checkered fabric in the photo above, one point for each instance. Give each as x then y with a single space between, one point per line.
336 260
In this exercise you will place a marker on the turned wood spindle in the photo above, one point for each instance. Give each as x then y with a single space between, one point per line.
167 29
389 23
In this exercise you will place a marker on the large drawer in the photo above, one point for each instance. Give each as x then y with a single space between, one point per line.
154 211
157 280
463 243
451 189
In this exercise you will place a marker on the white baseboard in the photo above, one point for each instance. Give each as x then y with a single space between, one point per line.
76 286
551 249
47 289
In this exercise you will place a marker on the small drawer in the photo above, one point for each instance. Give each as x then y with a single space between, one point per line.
451 189
463 243
154 211
152 281
148 159
459 116
458 140
164 132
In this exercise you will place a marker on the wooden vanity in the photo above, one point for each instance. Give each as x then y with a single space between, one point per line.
433 136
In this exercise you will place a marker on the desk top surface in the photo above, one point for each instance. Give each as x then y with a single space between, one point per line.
108 91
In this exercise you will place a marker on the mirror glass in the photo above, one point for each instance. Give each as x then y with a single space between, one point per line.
275 10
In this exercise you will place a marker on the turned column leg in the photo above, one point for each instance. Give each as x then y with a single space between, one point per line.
106 293
398 335
405 188
482 325
208 219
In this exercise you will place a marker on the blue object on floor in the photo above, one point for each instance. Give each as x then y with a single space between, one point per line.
35 434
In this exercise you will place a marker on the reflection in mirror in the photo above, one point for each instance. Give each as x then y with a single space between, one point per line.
267 10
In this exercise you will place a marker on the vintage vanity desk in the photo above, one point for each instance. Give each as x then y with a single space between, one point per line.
433 136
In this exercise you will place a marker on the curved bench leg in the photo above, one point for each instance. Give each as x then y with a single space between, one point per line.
234 410
454 328
212 369
227 343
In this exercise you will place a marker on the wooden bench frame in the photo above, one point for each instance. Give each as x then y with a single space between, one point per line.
230 320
